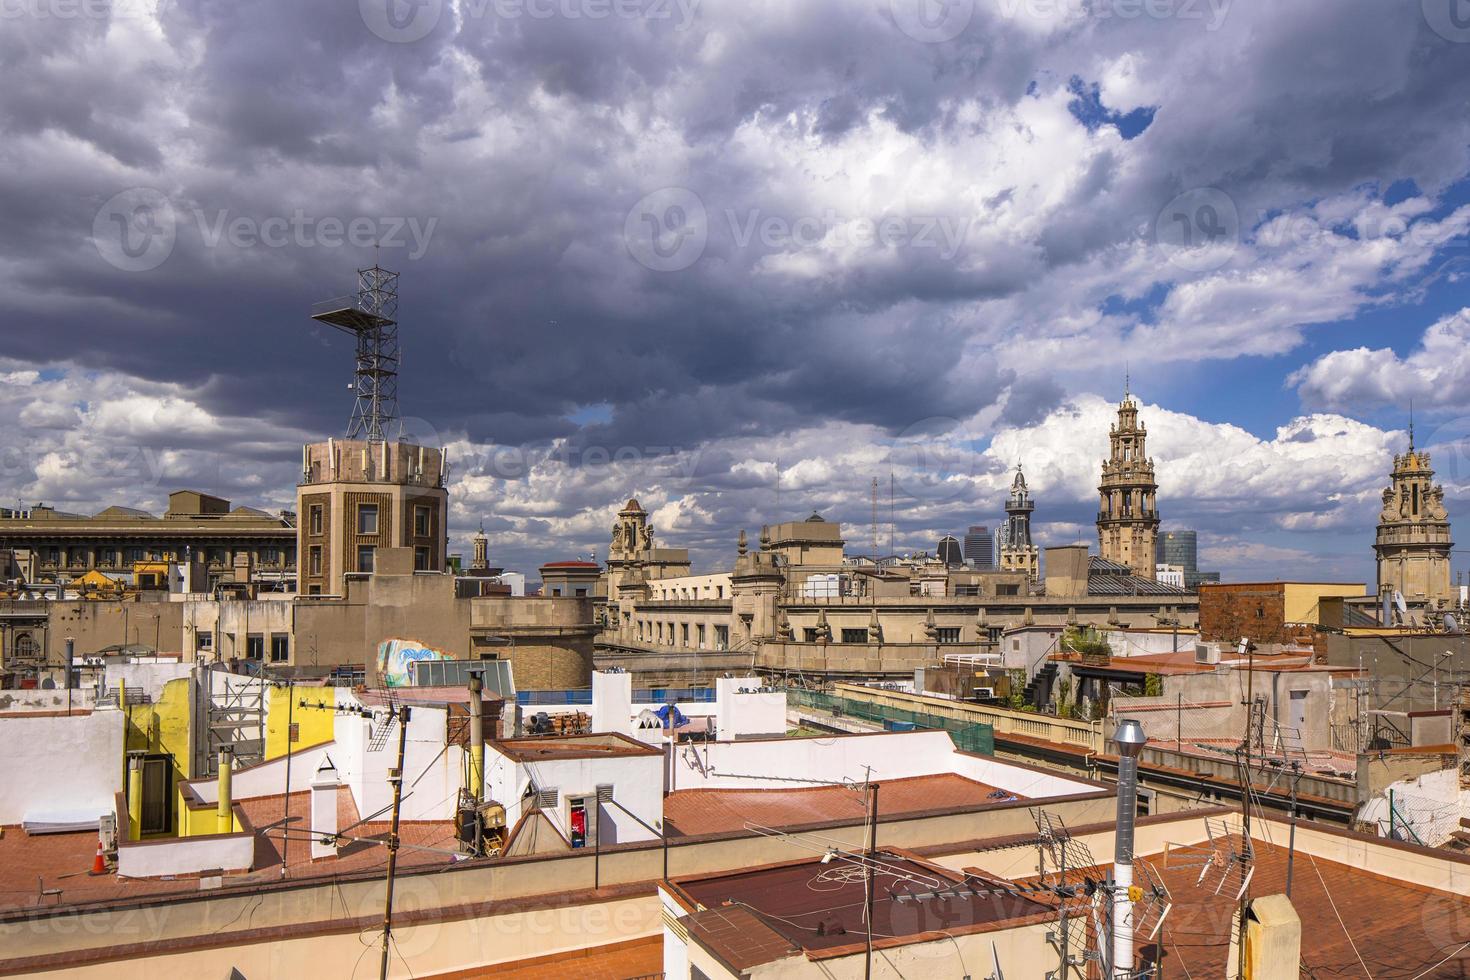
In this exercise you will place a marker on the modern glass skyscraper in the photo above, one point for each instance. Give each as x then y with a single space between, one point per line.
979 547
1178 548
949 551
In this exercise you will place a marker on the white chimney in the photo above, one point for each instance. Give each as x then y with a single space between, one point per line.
324 785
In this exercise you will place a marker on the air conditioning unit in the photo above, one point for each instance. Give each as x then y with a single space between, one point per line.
984 693
1207 653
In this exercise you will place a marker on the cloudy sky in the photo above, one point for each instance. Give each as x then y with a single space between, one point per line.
695 249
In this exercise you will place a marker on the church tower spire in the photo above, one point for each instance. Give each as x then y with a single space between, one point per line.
1128 516
1413 541
1017 551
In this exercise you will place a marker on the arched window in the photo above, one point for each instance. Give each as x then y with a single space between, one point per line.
25 647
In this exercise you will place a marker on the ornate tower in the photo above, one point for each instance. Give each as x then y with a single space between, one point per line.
1018 553
1413 543
481 559
1128 522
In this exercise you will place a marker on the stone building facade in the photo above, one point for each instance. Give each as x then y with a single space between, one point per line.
357 497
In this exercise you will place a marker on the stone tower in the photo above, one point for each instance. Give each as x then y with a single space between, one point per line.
1128 522
1413 543
1018 553
481 559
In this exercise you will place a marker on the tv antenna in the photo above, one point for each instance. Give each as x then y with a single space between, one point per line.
370 316
386 719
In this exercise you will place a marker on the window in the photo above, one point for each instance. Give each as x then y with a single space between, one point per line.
316 559
421 559
967 589
270 556
947 634
701 636
365 558
316 518
26 647
255 646
421 521
1008 588
685 637
722 637
313 590
280 647
854 635
719 592
214 556
367 518
581 592
106 557
203 640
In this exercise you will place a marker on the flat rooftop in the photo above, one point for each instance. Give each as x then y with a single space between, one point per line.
692 812
600 745
765 914
1350 917
31 866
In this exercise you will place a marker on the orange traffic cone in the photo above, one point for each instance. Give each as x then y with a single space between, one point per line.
99 864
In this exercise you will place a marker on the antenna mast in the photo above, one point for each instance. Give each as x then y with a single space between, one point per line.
371 317
876 546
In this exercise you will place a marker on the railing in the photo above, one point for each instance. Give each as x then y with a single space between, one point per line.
1002 721
966 737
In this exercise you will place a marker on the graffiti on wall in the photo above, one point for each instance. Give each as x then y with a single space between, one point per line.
395 656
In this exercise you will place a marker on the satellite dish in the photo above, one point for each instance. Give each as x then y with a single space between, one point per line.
1398 600
1450 624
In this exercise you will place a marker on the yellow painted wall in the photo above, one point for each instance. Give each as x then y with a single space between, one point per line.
162 726
313 725
203 820
1302 598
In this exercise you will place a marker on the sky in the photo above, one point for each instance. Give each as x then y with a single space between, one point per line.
742 258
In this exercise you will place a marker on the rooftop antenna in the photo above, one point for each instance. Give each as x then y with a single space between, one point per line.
890 512
370 317
875 518
1411 425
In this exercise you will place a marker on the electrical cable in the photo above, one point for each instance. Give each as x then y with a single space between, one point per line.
1333 903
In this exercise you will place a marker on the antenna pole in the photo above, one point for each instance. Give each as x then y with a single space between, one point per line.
868 874
395 776
1245 794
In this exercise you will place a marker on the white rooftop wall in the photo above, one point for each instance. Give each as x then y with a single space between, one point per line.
784 763
60 769
741 709
612 702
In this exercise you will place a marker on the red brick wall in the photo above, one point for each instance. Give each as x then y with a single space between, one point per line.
1228 612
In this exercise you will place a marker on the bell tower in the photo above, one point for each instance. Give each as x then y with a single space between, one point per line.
1018 552
1413 541
1128 516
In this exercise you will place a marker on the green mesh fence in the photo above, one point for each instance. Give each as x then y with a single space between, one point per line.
967 737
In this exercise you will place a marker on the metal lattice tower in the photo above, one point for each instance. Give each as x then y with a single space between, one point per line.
371 317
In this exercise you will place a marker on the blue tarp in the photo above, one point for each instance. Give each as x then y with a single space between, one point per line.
663 716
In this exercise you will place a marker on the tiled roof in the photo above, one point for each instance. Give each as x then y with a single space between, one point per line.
819 908
711 811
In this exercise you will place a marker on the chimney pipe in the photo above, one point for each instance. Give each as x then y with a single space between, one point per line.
135 799
477 740
1130 739
226 770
